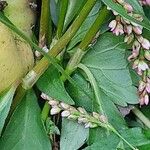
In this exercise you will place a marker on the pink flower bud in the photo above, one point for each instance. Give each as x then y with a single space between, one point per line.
118 30
147 55
148 2
142 65
142 85
137 30
146 99
145 43
112 24
128 7
129 29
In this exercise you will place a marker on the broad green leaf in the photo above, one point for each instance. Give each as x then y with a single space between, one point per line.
122 12
87 101
135 136
107 62
54 7
5 103
73 8
25 130
73 135
85 26
50 84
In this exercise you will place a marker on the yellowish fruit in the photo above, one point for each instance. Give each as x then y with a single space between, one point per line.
10 64
16 56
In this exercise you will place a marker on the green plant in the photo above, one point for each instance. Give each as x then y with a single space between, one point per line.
83 91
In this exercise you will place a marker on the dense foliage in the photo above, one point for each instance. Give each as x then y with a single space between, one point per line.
75 74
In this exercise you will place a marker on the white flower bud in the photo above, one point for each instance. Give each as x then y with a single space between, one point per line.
103 119
65 113
74 117
53 102
82 120
55 110
64 105
82 110
95 115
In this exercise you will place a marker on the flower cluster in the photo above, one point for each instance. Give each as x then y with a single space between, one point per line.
79 114
140 46
145 2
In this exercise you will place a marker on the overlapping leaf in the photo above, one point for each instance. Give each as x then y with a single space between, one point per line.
5 103
25 130
108 64
50 84
73 135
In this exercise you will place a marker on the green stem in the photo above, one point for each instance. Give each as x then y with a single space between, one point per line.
45 111
43 64
62 14
45 23
111 128
82 48
141 116
93 82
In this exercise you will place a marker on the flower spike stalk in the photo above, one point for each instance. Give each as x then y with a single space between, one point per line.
140 47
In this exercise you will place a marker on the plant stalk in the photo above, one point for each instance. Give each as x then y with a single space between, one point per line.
141 116
43 64
62 15
82 48
45 34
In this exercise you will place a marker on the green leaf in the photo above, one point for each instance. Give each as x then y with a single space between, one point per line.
25 130
107 62
73 135
86 101
135 136
122 12
85 26
73 8
50 84
5 103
